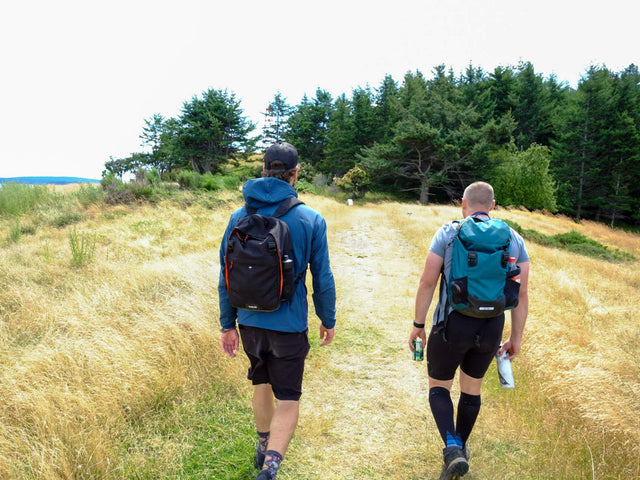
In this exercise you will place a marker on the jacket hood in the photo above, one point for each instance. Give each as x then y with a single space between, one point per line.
260 192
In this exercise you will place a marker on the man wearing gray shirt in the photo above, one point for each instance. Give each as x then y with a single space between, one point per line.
457 340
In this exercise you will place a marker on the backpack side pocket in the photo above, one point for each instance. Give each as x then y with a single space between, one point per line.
512 288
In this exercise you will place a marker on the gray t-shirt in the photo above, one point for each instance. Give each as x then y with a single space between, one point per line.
441 245
445 234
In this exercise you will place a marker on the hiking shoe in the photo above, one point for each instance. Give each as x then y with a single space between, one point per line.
258 460
265 475
466 452
455 464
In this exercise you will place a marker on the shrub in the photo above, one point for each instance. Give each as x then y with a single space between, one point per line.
82 246
354 182
88 195
143 190
521 177
67 218
208 182
189 180
115 192
153 177
307 172
302 186
245 172
15 233
18 198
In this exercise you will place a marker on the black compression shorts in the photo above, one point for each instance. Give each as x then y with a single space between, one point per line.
276 358
471 344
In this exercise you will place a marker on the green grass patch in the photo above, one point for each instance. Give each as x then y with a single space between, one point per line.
212 436
573 241
17 198
67 218
83 247
17 229
88 195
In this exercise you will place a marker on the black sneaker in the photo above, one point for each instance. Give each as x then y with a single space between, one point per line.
265 475
466 452
455 463
258 460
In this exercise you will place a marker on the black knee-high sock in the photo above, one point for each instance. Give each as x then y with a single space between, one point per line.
442 410
468 409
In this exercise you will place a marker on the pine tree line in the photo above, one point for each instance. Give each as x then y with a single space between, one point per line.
541 143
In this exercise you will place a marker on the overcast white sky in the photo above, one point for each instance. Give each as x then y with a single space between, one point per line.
78 77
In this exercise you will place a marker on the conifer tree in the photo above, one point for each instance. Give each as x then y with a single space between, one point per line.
275 120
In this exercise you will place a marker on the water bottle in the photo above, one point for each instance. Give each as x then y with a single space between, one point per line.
513 266
505 372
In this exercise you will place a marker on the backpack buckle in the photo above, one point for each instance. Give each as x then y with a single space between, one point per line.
504 260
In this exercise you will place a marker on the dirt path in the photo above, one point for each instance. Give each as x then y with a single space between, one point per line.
363 410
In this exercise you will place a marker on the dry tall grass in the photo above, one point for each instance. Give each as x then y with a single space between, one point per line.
574 413
86 352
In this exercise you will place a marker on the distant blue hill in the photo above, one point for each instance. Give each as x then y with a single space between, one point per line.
49 180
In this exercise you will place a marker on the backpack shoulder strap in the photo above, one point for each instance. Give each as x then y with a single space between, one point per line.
458 225
286 205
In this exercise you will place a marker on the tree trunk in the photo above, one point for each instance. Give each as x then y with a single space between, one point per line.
585 135
580 189
424 195
195 165
614 209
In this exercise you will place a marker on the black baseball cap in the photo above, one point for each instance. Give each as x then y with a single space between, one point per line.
281 152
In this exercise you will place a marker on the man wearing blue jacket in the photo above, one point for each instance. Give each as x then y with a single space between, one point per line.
276 342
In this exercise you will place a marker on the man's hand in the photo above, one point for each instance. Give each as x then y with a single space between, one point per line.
326 334
229 342
417 333
512 347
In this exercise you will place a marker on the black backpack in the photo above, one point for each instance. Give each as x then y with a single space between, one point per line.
258 261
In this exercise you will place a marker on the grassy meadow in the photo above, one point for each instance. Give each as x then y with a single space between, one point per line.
110 366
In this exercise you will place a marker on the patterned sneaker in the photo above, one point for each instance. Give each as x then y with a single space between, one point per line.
265 475
258 460
455 464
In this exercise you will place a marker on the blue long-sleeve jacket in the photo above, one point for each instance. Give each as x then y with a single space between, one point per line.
309 237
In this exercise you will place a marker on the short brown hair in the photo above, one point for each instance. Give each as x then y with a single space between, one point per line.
285 175
479 194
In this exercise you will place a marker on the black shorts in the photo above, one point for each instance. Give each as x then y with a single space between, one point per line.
471 344
276 358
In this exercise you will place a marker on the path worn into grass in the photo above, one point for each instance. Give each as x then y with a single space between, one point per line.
363 408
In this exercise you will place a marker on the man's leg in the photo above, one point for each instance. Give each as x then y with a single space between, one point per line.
263 406
470 385
468 405
283 424
263 409
455 463
442 409
286 369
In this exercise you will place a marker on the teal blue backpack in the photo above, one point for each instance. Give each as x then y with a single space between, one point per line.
477 285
